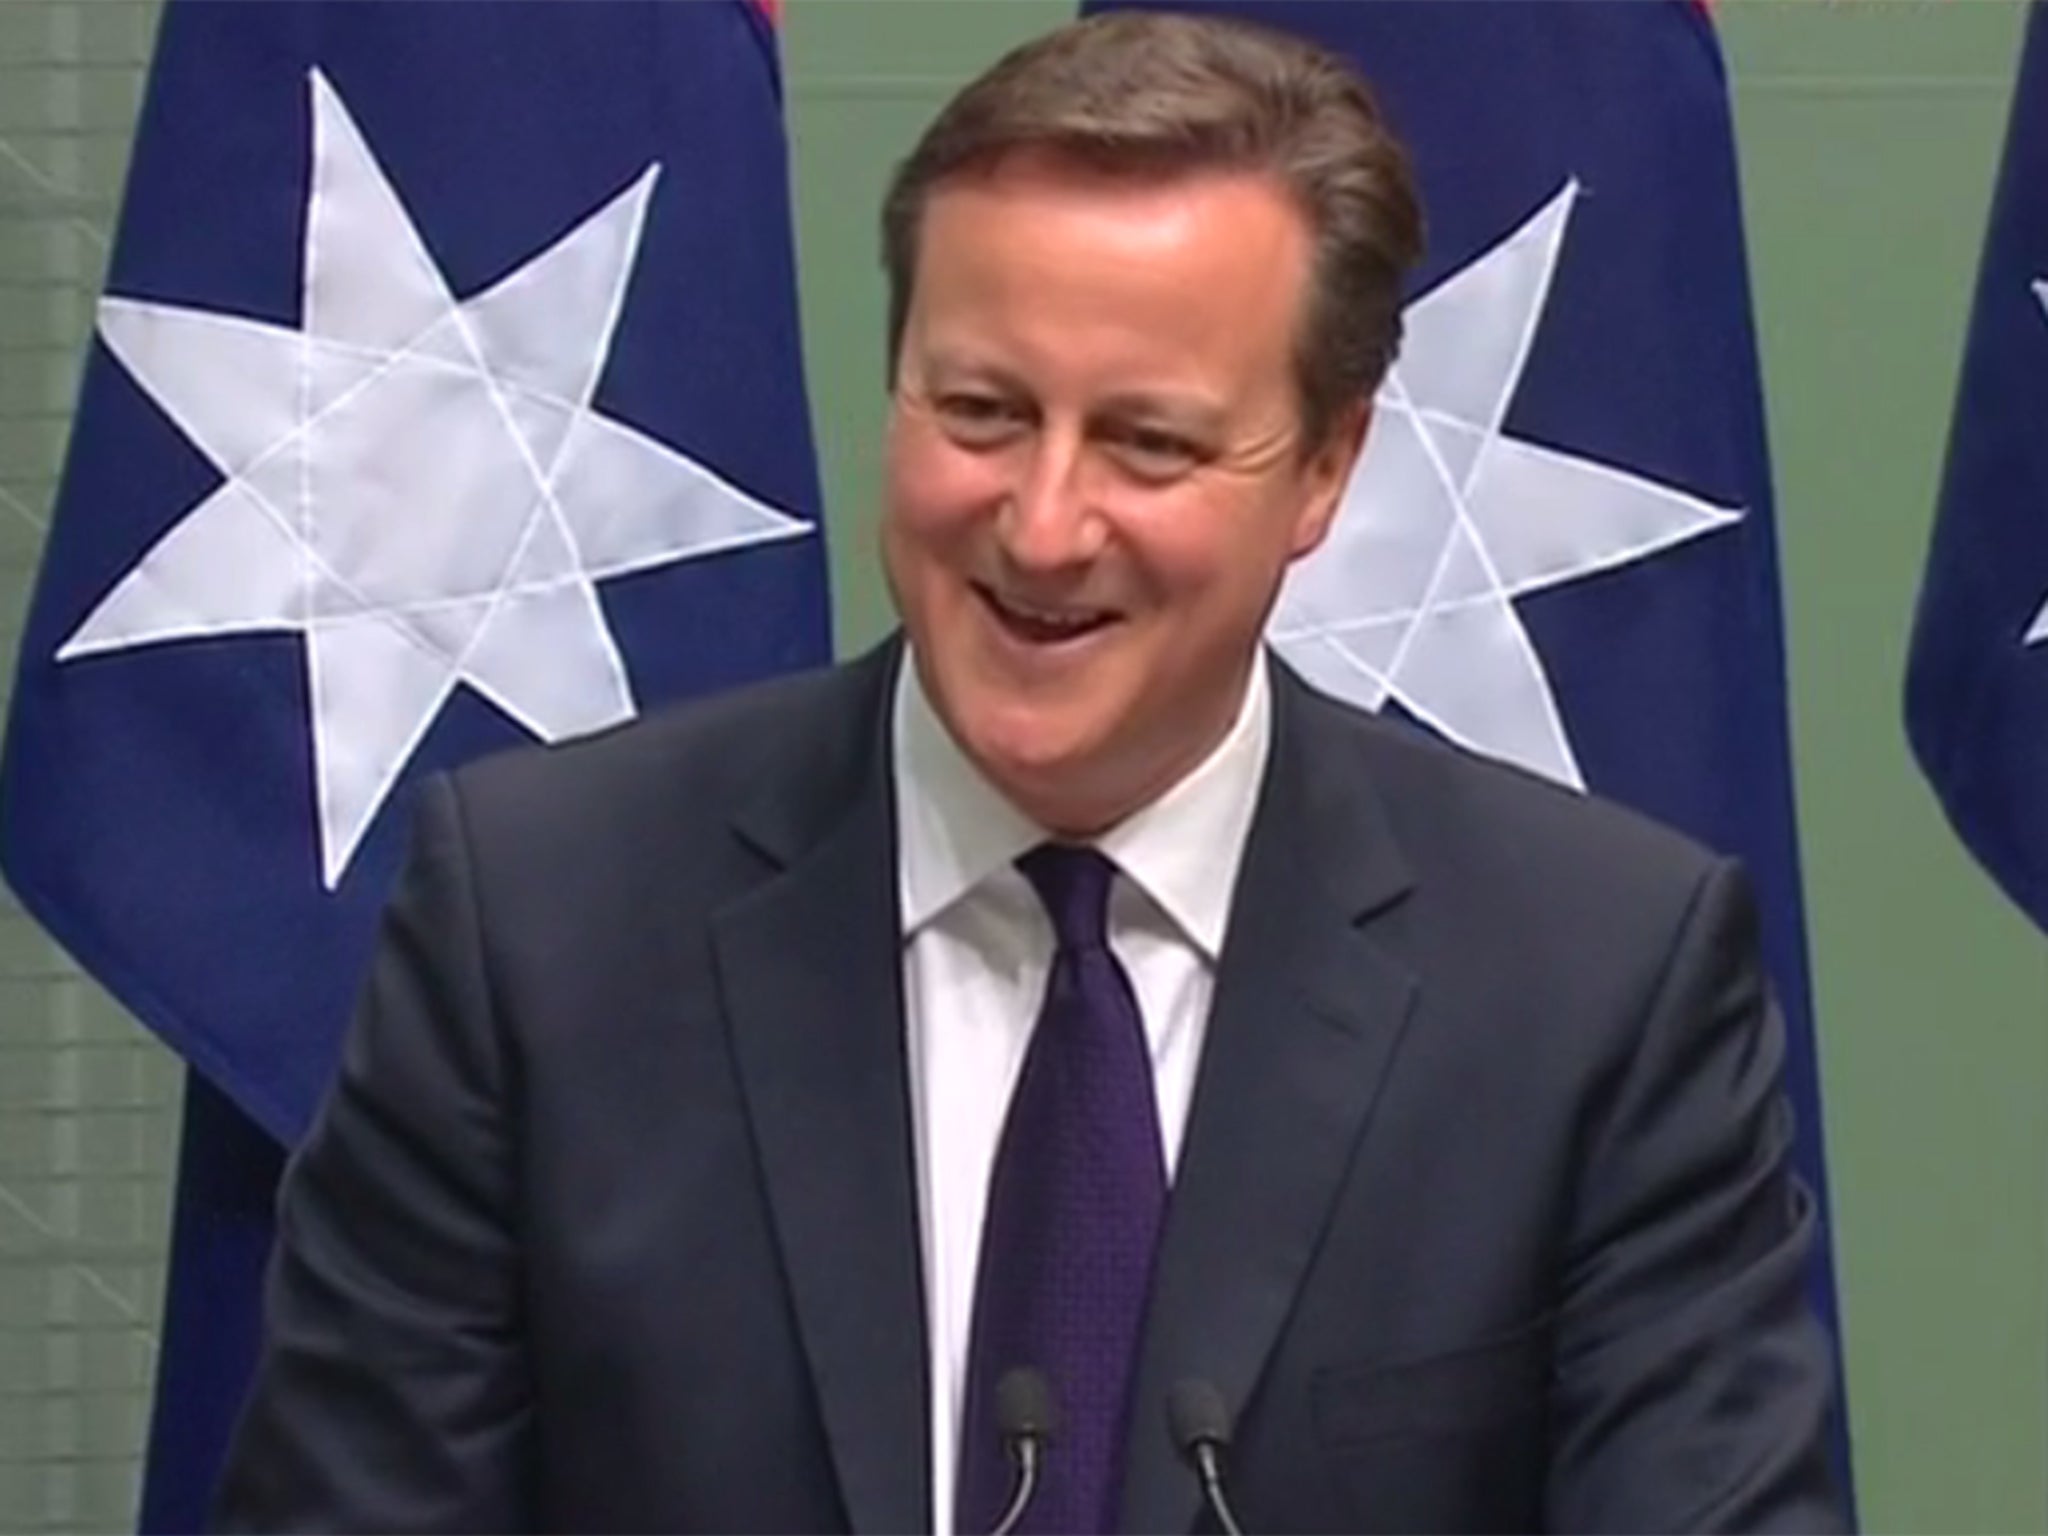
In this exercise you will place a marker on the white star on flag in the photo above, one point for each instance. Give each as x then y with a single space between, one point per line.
416 484
2037 632
1448 519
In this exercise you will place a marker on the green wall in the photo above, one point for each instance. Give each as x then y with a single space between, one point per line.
863 77
1869 130
1870 133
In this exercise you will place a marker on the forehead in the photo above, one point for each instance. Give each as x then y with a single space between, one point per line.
1207 260
1168 201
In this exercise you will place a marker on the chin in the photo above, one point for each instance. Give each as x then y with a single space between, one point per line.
1035 765
1021 757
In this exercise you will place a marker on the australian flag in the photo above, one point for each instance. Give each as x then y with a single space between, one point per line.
1558 548
1977 676
445 395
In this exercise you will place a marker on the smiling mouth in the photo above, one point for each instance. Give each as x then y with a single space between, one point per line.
1038 625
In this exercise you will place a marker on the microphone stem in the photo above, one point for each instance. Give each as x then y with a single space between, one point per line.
1210 1468
1028 1461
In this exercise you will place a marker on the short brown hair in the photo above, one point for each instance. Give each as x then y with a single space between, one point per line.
1158 94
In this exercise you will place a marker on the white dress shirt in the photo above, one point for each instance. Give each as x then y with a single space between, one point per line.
977 947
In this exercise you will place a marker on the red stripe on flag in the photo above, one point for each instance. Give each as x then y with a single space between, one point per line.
772 9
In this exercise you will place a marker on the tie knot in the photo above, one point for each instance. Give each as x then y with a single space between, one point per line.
1073 883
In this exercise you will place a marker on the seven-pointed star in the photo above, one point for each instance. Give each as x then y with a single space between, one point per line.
417 485
1448 519
2037 632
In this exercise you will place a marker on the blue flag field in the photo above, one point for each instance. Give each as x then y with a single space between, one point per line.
1559 548
1977 675
445 395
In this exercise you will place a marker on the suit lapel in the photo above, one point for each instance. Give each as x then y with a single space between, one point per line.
808 966
1306 1018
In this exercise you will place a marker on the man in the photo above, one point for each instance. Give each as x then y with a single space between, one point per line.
736 1100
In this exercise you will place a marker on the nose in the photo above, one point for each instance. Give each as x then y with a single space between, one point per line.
1049 522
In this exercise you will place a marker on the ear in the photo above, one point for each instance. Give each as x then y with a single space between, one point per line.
1326 475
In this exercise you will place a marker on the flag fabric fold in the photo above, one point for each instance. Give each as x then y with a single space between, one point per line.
446 395
1559 548
1976 698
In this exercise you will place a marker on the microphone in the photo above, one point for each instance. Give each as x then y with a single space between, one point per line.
1200 1426
1027 1423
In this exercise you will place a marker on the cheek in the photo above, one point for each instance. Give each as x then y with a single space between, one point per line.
937 491
1211 572
1190 555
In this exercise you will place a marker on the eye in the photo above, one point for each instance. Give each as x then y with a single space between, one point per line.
977 419
1155 453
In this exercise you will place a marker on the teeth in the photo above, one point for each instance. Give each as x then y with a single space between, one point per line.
1052 617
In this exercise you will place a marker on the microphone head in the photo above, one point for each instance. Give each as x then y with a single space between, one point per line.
1024 1408
1196 1416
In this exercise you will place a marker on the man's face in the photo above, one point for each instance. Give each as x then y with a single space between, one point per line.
1095 471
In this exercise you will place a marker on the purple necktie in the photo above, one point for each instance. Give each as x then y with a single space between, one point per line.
1074 1209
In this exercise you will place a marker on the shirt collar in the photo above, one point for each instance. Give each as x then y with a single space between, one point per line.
1182 850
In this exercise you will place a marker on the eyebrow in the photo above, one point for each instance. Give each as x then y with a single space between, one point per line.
953 365
1186 412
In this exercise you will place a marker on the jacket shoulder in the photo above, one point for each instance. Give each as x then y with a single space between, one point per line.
1496 825
679 772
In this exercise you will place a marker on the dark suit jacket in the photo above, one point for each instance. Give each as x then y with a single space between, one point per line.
1483 1220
